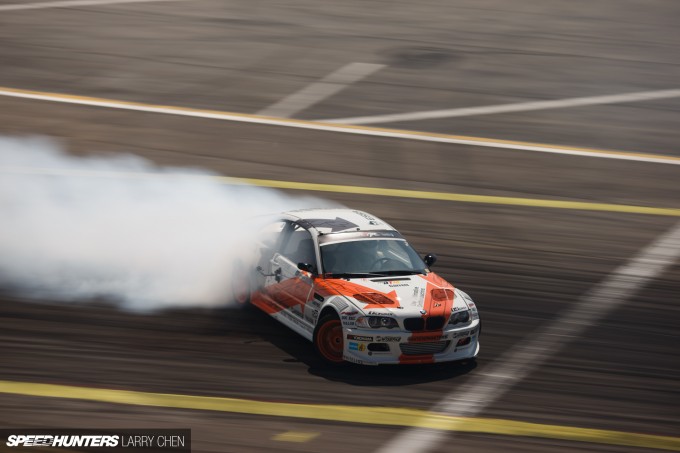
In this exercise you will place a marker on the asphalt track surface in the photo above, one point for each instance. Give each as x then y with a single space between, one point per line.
523 265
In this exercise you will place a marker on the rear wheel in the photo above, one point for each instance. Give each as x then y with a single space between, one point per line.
328 339
240 285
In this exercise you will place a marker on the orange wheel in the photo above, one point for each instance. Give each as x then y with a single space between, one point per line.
328 339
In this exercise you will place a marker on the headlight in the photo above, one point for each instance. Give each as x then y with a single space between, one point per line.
377 322
460 317
474 314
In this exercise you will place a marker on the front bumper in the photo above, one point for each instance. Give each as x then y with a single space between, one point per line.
393 347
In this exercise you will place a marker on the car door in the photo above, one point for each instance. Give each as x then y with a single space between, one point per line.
271 239
288 286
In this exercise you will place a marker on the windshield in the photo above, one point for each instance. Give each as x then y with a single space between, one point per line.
371 256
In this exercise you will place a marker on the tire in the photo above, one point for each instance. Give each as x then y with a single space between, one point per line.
328 339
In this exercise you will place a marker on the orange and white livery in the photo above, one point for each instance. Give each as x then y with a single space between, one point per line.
350 283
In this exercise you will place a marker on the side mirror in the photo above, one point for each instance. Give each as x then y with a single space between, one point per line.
430 259
306 267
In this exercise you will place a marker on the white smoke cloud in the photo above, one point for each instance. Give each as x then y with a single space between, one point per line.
121 227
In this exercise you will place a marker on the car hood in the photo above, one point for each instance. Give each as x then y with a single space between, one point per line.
403 296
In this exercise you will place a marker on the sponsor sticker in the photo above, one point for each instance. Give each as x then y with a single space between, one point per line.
352 359
359 337
387 339
356 346
395 283
380 313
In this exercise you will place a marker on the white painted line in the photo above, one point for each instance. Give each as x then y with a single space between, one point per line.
618 288
358 130
71 3
330 85
507 108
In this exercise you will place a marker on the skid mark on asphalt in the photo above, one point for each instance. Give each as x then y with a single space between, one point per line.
360 190
312 94
386 416
343 129
490 385
510 108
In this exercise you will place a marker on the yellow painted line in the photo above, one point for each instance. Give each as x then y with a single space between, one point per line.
339 128
388 416
464 198
360 190
295 436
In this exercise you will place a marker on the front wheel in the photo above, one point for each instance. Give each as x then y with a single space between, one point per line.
328 339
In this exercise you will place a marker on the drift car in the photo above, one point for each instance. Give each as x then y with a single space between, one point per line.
351 284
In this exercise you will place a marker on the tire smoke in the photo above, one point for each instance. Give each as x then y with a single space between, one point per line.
120 228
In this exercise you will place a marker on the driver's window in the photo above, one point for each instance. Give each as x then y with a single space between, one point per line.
271 238
300 247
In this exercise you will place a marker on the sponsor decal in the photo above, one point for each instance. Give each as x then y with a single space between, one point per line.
353 359
394 283
387 339
295 320
380 313
350 313
359 337
367 217
356 346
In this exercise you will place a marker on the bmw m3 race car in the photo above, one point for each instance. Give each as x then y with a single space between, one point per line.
351 284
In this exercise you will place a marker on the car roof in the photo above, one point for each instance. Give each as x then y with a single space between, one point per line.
336 220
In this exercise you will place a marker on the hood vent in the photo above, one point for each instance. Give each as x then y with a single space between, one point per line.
374 298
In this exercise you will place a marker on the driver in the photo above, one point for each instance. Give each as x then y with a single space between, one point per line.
361 256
